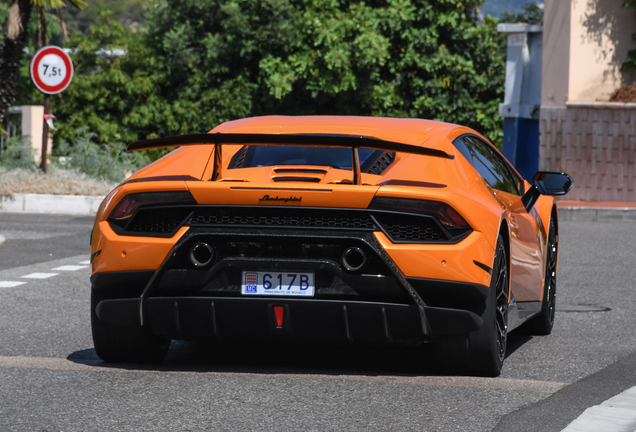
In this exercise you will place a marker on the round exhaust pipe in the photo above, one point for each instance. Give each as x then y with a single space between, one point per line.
201 254
353 259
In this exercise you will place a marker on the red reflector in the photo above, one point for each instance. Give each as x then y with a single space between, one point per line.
278 311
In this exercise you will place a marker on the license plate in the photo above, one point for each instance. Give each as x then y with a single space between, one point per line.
278 283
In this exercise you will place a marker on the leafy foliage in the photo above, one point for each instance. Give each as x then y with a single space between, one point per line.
29 18
499 8
16 154
630 62
129 12
100 161
530 14
625 93
198 63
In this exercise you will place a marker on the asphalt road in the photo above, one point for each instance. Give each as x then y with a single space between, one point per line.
51 380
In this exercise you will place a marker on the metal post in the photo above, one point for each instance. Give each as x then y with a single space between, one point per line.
522 100
45 132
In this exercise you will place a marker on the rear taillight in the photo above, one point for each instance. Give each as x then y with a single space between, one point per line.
129 205
452 221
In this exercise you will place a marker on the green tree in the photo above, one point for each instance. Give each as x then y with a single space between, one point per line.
630 62
129 12
15 39
201 62
530 14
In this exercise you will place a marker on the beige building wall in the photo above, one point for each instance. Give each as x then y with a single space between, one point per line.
555 62
32 129
585 42
600 37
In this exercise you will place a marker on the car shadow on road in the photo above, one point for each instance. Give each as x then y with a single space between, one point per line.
206 356
201 356
516 341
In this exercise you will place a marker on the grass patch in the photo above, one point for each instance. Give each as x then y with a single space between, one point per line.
56 182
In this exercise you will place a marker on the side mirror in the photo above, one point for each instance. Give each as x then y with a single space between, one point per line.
546 183
552 183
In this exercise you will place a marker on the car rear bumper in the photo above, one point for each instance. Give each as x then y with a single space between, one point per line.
373 304
303 320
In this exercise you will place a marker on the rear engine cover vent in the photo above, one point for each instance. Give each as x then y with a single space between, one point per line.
310 175
299 171
296 179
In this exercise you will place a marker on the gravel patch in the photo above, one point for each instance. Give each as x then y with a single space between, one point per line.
55 182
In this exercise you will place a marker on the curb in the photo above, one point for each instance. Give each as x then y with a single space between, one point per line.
597 214
78 205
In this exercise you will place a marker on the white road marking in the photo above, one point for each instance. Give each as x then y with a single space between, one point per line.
32 235
70 267
10 284
40 275
85 262
617 414
53 363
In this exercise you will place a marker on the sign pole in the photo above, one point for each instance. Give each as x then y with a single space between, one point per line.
45 132
51 71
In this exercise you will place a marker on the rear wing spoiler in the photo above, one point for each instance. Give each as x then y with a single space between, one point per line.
314 140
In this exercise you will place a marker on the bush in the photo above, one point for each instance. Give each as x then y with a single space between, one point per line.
108 162
17 154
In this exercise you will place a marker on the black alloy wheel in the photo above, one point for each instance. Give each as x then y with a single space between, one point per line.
483 351
542 324
501 317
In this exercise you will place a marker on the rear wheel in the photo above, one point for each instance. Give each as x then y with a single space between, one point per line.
482 352
116 343
542 324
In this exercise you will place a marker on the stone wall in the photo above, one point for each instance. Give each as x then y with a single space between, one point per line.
595 143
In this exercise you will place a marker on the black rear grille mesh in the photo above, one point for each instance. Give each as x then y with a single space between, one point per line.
400 228
282 217
158 220
408 228
288 249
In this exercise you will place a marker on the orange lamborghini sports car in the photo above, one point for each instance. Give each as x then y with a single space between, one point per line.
348 230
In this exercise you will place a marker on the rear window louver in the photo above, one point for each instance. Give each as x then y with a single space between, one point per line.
238 158
381 163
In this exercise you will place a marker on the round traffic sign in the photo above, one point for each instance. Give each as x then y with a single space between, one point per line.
51 70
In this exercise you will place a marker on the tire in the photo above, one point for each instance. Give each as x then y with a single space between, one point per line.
119 344
542 324
482 352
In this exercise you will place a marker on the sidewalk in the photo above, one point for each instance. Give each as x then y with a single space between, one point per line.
597 211
78 205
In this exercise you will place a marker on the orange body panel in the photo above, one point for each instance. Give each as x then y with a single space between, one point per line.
124 253
227 193
443 262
